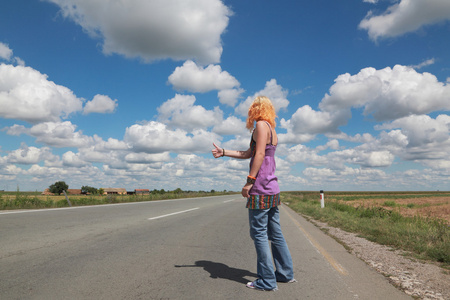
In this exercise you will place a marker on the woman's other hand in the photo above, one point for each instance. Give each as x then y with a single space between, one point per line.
217 152
246 190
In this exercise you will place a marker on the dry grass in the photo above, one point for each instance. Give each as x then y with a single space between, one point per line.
428 206
416 222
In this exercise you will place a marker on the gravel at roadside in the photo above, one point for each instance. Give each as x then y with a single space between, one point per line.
420 280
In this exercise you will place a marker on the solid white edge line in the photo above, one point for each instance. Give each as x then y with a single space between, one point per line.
175 213
318 247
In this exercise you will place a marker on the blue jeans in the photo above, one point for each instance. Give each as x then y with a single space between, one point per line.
265 226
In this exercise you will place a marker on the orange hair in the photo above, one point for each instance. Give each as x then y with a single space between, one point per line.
261 109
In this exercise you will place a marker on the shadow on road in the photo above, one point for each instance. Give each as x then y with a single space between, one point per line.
219 270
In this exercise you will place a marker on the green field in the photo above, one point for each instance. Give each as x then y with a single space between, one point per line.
387 218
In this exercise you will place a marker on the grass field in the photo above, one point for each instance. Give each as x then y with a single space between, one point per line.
34 200
417 222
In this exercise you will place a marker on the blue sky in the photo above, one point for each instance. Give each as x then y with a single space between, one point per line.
133 93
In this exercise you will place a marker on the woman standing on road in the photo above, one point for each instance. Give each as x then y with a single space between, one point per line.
263 197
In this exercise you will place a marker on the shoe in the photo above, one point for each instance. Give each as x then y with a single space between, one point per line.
251 285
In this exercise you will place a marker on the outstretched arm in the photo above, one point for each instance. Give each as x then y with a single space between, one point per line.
219 152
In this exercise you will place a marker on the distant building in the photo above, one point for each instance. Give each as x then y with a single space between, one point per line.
114 191
142 191
47 192
74 191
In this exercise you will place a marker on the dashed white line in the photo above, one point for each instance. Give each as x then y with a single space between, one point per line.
8 212
175 213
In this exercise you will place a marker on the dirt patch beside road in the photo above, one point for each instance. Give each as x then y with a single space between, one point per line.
429 207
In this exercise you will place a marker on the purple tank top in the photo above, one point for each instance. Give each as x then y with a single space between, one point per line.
266 182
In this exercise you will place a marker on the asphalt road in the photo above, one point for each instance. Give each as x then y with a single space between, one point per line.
177 249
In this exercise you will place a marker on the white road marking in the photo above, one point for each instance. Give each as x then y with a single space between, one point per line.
175 213
22 211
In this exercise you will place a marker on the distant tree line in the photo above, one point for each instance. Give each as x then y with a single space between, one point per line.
60 186
91 190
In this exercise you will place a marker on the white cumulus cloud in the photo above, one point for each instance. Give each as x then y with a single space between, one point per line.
193 78
30 155
60 134
71 159
155 137
405 16
144 158
301 153
100 104
9 172
230 97
230 125
5 52
273 91
306 120
153 30
28 95
388 93
180 112
426 138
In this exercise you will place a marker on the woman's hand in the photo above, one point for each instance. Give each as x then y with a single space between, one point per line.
246 190
217 152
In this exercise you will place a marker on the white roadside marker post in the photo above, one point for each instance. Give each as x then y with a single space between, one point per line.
67 198
322 200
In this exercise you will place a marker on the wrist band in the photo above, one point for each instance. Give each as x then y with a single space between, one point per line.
223 152
251 179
